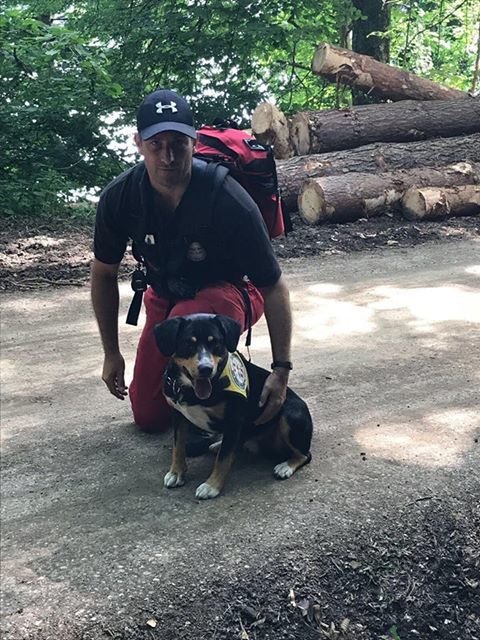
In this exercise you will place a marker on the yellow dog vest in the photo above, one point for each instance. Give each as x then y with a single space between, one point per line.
235 376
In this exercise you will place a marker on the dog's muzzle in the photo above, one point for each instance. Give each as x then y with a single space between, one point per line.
202 382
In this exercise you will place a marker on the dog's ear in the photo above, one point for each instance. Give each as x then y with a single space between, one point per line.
231 331
166 335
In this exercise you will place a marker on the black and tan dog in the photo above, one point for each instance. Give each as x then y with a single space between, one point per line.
215 388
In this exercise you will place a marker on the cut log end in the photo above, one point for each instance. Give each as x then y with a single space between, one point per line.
319 57
430 203
271 127
300 134
414 206
263 118
328 61
311 203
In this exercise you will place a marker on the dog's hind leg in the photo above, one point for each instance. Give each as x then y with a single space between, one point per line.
176 476
297 457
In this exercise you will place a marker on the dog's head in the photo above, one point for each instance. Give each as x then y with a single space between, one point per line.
198 344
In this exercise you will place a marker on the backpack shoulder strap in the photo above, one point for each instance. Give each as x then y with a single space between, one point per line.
219 172
213 175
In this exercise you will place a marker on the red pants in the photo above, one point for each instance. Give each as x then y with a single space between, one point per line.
150 409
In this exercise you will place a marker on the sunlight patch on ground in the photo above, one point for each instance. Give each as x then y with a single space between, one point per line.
474 270
13 428
431 305
35 242
439 439
7 368
324 288
29 305
321 316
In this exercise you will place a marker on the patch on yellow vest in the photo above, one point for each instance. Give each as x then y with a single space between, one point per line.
235 376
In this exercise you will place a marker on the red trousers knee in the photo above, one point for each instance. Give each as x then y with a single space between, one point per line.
150 409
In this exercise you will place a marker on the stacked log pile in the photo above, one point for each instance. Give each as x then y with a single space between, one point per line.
420 153
367 195
374 158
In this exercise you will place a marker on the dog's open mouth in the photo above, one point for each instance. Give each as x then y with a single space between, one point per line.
202 388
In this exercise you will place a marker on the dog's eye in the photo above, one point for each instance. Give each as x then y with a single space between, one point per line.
193 339
210 339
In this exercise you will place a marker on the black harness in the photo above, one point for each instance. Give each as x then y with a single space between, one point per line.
163 276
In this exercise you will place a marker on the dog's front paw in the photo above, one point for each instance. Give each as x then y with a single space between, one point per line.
172 479
283 471
205 491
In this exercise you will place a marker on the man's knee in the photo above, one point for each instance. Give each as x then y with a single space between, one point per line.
149 415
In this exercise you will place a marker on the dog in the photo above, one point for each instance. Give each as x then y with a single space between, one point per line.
211 385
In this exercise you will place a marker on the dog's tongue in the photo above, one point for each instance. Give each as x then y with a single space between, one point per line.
202 388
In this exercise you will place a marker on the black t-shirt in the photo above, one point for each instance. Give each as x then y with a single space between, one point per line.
207 239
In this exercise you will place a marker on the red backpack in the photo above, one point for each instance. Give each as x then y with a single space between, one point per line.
252 164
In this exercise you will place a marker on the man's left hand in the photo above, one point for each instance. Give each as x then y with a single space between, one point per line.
273 395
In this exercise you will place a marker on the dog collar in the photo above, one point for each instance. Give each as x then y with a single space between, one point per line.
234 375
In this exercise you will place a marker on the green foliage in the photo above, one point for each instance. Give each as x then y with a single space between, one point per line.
54 90
66 70
225 55
436 40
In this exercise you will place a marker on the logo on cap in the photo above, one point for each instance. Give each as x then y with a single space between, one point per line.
164 107
165 110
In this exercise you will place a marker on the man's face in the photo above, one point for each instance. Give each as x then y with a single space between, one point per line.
167 156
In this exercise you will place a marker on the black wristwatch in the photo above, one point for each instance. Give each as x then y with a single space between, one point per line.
282 364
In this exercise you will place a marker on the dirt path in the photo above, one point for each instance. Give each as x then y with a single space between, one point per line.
39 255
377 538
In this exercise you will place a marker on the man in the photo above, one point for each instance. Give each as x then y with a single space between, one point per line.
199 240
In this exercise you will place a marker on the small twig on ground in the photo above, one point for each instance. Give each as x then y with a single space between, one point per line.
218 621
244 635
335 564
30 283
423 499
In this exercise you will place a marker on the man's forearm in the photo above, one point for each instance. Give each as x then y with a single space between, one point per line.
279 319
105 301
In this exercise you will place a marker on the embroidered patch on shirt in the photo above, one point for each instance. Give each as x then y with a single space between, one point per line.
196 252
236 374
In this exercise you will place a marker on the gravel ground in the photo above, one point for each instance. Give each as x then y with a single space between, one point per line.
417 577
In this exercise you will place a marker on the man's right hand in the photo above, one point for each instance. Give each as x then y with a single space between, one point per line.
114 375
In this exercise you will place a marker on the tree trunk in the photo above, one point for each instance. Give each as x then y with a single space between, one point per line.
320 131
375 19
363 195
431 203
373 158
373 77
270 126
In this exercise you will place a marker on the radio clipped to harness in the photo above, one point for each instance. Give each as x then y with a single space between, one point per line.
139 286
139 278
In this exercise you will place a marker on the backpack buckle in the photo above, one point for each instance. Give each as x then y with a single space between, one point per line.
255 145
